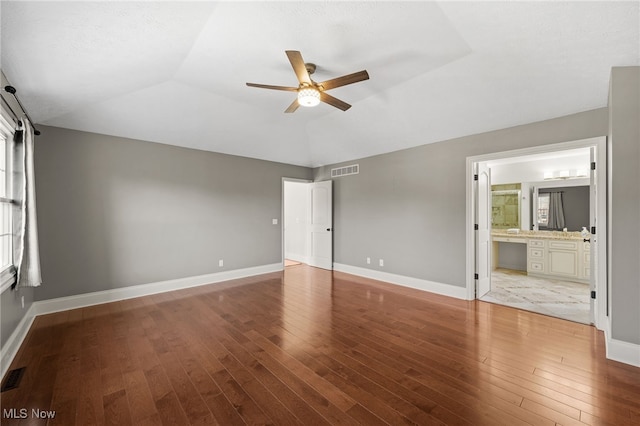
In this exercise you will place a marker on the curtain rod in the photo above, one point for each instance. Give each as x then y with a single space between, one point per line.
12 91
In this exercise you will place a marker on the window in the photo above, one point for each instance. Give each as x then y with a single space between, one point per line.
543 210
6 204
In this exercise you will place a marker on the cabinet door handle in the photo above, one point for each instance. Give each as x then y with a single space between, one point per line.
586 240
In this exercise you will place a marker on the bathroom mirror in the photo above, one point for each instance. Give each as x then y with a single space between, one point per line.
505 206
574 211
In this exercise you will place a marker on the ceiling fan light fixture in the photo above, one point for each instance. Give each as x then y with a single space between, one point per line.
310 93
308 97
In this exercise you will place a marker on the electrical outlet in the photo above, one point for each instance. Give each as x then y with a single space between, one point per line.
368 261
274 221
381 262
221 263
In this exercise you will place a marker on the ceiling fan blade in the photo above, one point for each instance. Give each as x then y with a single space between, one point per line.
328 99
299 67
344 80
293 107
267 86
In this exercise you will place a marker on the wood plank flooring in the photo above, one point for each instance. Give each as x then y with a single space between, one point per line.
311 347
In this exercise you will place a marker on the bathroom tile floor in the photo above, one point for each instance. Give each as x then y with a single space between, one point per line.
561 299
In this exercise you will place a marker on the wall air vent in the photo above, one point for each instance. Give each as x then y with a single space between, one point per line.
353 169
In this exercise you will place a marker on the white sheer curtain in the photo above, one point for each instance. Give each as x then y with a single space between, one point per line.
27 250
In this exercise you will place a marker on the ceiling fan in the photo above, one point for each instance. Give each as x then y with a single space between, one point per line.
311 93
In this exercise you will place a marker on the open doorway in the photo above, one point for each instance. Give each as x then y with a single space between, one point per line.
295 222
307 223
546 192
518 256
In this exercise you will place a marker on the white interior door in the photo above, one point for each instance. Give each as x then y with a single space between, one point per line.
593 250
483 234
321 226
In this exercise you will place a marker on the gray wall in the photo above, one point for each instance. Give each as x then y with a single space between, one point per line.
624 250
512 256
575 200
11 311
408 207
115 212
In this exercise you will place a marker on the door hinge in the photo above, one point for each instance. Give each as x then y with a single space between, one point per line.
593 294
475 226
593 230
475 177
593 165
476 276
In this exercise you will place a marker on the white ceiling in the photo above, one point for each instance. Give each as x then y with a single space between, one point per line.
175 72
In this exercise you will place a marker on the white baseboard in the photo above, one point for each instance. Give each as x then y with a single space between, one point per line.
625 352
98 297
296 257
618 350
10 349
417 283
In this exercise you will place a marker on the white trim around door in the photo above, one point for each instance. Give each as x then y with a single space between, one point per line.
599 143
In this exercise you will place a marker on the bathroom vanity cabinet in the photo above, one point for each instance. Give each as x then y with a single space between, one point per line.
564 259
564 256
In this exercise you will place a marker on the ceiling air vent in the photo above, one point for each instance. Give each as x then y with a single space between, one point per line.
353 169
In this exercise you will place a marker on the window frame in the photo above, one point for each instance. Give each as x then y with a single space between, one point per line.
546 223
7 132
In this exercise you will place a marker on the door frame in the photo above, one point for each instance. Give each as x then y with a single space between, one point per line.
283 234
600 144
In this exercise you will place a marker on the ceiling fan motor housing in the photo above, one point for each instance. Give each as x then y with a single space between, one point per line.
311 68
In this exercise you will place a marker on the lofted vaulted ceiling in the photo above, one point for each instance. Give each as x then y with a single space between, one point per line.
175 72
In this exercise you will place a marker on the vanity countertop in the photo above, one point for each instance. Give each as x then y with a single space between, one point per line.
549 235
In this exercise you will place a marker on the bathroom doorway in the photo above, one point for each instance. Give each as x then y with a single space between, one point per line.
570 268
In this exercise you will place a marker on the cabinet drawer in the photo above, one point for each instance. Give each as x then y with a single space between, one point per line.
509 240
536 243
536 266
537 253
563 245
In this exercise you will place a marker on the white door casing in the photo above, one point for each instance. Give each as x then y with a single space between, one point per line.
598 244
321 225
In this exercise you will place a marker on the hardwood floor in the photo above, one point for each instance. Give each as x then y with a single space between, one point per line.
311 347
